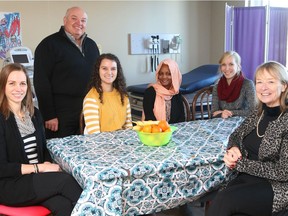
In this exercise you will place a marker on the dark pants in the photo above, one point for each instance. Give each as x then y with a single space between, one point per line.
68 125
68 113
58 191
244 196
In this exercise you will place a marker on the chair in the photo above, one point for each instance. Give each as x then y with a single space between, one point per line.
24 211
81 123
187 108
207 199
201 104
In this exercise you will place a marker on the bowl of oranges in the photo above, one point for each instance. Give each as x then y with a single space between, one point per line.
154 133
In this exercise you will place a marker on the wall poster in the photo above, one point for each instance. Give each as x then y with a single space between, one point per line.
10 34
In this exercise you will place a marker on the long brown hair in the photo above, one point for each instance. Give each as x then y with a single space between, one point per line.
27 102
279 72
119 83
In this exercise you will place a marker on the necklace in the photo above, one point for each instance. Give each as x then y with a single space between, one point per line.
20 117
260 118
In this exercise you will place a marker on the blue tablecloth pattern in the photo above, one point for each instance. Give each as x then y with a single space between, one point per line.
121 176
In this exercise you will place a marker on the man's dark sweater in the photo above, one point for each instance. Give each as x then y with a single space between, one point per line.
61 76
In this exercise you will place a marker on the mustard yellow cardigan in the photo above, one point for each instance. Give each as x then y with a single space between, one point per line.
109 116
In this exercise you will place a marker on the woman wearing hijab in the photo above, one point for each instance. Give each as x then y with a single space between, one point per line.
162 100
234 95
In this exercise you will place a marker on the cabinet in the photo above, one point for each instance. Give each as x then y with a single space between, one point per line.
136 103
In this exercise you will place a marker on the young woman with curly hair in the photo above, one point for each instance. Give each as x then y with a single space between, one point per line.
106 107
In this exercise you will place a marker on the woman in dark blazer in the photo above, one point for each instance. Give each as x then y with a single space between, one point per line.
27 175
258 152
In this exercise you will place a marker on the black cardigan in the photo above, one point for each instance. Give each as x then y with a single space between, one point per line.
62 73
15 187
177 107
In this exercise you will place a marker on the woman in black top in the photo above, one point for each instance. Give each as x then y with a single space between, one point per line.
258 152
27 175
162 100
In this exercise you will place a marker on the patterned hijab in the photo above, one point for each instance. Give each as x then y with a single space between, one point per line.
162 93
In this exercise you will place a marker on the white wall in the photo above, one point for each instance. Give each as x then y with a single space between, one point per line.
200 24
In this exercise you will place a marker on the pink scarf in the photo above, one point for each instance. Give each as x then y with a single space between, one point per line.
162 93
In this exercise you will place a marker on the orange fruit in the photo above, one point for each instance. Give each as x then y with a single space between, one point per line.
163 124
156 129
168 130
137 127
146 128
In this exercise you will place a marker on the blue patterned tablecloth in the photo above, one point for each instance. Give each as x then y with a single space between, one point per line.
121 176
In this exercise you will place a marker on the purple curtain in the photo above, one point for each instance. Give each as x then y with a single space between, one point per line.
228 28
278 34
249 37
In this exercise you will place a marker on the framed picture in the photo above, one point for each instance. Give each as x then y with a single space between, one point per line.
10 34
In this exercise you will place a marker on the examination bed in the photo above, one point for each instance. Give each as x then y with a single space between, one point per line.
192 81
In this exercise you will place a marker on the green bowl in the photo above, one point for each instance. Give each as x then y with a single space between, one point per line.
156 139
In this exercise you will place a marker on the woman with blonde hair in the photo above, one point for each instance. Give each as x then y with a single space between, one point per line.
233 95
257 152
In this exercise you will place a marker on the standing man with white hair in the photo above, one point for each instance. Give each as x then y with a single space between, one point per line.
62 69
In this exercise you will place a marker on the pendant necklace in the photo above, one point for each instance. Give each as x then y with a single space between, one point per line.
20 115
260 118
